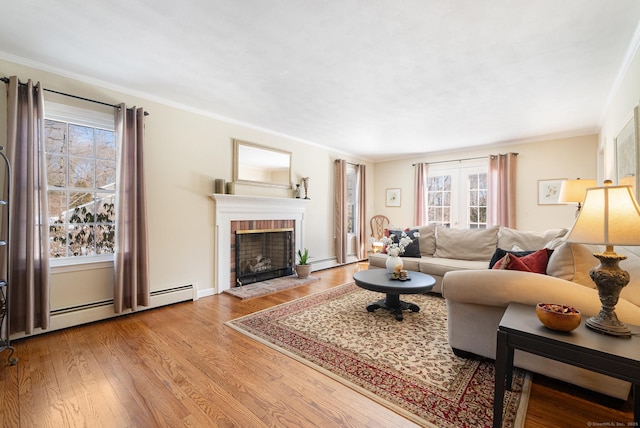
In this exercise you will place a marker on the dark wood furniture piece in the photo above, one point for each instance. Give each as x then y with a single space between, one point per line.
380 281
520 329
5 330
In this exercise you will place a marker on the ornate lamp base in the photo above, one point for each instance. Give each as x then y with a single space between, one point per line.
610 280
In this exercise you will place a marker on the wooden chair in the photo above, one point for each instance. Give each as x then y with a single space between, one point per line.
378 224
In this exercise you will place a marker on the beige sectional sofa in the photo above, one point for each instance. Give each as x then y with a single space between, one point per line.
443 250
478 296
476 302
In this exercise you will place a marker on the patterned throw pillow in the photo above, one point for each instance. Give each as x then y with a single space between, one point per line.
411 250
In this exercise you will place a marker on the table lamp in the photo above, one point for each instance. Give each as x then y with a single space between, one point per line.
610 216
574 191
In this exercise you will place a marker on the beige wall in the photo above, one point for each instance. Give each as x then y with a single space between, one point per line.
617 113
549 159
184 153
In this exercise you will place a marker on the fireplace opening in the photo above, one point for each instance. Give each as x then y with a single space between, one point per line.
263 254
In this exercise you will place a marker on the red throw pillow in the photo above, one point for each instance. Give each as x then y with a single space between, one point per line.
534 262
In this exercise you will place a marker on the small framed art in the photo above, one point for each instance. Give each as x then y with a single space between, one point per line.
393 197
549 191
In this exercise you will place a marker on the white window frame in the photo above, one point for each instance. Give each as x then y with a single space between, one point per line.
459 172
94 119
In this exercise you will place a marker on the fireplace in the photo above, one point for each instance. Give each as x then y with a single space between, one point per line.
263 254
243 212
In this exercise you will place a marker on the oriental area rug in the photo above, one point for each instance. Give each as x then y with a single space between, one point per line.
406 366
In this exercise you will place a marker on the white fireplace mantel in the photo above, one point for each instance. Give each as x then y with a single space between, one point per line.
230 208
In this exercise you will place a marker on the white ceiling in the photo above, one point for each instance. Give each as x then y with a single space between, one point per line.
375 78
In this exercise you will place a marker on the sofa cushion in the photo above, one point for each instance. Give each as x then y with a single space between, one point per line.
632 265
535 262
500 253
427 239
411 250
466 244
572 262
439 266
525 240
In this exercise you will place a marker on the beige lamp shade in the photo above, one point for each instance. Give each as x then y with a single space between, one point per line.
610 216
575 190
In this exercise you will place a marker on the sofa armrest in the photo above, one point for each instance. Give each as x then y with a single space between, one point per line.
500 287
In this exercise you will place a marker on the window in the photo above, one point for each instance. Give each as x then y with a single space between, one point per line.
457 196
477 196
439 199
81 175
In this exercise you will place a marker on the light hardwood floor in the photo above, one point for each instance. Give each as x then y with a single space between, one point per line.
180 366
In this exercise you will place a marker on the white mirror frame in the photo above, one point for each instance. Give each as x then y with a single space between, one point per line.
260 165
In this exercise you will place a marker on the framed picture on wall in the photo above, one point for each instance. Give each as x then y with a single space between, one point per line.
393 197
549 191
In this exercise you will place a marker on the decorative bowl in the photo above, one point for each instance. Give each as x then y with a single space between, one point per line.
558 317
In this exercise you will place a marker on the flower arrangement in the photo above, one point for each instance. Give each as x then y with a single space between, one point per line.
396 247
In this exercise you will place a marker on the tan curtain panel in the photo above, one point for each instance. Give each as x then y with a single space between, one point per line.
361 210
501 209
340 216
28 271
131 259
420 186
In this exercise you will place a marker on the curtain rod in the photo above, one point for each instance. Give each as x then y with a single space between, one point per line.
461 160
6 80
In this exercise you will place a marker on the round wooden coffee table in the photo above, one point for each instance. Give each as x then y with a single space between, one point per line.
380 281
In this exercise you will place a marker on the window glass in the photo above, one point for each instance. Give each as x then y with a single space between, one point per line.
457 195
81 175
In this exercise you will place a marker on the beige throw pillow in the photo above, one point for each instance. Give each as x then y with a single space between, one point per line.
572 262
466 244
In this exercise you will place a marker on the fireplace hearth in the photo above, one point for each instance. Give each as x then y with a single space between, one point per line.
263 254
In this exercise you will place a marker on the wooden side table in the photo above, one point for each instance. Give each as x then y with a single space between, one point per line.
520 329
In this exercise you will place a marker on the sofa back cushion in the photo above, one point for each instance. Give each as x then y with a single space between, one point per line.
572 262
466 244
527 240
427 239
632 265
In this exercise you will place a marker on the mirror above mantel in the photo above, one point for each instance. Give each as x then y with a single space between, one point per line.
261 165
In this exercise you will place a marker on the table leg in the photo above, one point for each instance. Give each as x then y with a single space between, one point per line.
502 359
393 303
636 403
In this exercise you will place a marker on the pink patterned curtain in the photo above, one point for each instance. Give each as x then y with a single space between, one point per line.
131 259
28 267
420 187
340 209
501 209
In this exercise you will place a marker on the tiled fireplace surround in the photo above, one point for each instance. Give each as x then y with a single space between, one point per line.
240 212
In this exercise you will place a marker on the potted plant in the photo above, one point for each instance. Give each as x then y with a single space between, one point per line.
303 268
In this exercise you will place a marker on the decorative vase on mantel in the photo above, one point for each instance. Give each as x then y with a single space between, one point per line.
392 262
